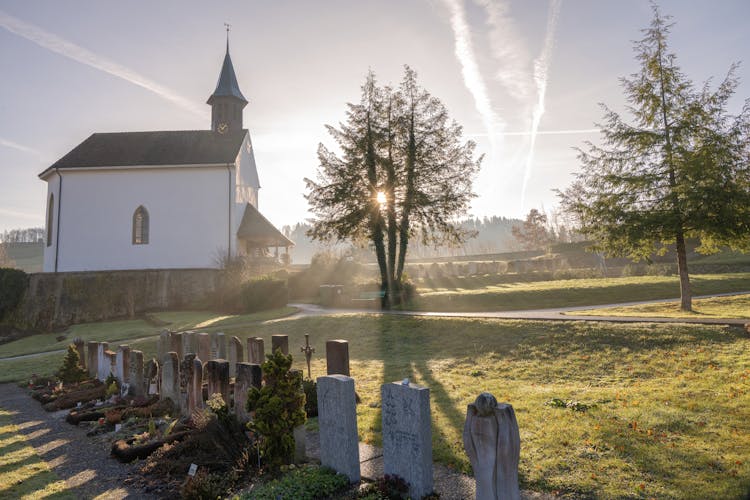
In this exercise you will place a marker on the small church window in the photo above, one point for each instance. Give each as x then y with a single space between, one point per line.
50 218
140 226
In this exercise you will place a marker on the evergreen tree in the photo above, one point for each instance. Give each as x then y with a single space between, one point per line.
403 172
533 234
679 170
71 371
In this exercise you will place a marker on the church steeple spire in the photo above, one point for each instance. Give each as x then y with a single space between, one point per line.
227 101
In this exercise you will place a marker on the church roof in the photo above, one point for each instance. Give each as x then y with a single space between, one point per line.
259 232
227 85
179 147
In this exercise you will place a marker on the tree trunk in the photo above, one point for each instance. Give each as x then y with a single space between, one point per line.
411 154
392 230
686 298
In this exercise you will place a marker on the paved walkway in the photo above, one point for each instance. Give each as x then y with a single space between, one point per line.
554 314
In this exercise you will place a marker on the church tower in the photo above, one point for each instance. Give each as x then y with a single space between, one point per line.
227 102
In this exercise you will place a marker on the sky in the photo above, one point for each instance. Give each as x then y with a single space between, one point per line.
523 77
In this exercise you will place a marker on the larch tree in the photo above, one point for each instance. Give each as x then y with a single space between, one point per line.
403 172
678 170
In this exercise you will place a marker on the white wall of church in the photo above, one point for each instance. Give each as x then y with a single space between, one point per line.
188 218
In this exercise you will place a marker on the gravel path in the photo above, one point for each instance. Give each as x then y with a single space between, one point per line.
82 462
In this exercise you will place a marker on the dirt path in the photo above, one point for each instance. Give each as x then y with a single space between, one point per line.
82 462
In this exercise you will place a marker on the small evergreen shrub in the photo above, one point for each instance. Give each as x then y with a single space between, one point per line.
263 294
306 483
70 371
310 387
203 486
279 408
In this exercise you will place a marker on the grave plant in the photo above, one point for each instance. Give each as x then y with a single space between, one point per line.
70 371
279 407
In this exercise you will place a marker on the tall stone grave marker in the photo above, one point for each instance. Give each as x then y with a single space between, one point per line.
162 345
337 419
122 364
102 363
493 444
92 358
218 345
203 346
407 435
188 343
280 342
248 375
170 378
186 377
218 379
137 384
337 357
235 355
175 341
255 352
195 387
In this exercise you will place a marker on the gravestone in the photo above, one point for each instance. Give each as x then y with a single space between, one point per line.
102 363
248 375
175 341
235 355
122 364
493 444
188 343
337 357
151 376
195 387
407 435
186 377
204 346
337 420
137 383
110 357
217 371
218 345
92 358
81 349
255 352
162 345
170 378
280 342
299 434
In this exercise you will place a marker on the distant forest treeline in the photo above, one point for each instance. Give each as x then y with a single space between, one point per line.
26 235
493 235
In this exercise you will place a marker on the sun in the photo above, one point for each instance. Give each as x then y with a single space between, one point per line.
381 197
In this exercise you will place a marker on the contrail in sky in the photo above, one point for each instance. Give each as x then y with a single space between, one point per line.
543 132
61 46
20 147
470 69
541 75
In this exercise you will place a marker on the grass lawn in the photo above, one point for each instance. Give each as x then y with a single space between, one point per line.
23 474
666 406
476 293
735 306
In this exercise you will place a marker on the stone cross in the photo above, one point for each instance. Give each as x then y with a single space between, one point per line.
255 352
235 355
280 342
248 375
337 420
204 346
80 347
122 364
493 444
92 358
137 384
337 357
308 351
407 435
170 378
218 379
195 387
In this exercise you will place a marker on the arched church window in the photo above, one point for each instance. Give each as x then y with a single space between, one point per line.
140 226
50 217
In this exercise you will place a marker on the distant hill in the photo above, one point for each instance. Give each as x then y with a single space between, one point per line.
28 257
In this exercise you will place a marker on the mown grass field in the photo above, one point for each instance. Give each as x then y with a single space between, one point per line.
477 293
23 474
736 306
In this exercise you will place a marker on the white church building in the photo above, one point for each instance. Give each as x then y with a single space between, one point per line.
159 200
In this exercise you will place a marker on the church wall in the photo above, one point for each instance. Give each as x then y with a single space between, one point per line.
49 250
188 210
